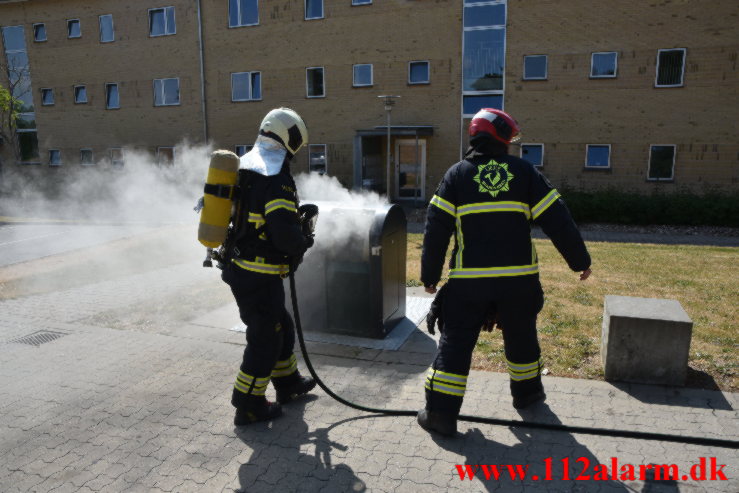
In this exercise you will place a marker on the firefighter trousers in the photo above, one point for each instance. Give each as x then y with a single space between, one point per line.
517 302
270 334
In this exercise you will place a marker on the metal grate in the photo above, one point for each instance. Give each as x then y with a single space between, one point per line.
39 337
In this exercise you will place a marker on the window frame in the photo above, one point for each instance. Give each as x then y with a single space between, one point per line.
354 75
323 77
80 86
363 2
305 10
672 169
325 158
46 34
118 89
682 68
246 147
59 154
174 17
238 4
251 86
154 87
546 67
428 73
615 64
79 23
587 148
112 27
174 154
51 91
113 161
92 156
541 145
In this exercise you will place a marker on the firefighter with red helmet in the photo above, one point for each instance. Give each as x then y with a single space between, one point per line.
488 201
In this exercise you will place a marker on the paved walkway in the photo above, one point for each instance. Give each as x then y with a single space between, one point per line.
90 406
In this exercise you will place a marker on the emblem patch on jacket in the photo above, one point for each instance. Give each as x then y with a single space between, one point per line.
493 177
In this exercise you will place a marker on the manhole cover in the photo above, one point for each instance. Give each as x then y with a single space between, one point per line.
39 337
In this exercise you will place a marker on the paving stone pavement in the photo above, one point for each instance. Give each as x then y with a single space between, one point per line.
104 409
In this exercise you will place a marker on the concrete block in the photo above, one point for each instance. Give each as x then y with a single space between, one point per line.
645 340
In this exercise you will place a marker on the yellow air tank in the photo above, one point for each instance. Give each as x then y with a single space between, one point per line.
219 187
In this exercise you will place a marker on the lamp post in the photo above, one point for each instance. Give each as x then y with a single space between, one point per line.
389 103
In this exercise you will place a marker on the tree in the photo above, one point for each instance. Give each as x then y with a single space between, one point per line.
10 108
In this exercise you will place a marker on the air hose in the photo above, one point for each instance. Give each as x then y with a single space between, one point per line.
639 435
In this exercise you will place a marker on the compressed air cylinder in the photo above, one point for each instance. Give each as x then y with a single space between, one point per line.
216 213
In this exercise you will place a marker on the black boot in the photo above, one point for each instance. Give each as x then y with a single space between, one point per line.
526 400
295 387
256 409
445 424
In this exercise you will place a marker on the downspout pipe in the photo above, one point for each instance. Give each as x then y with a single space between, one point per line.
202 71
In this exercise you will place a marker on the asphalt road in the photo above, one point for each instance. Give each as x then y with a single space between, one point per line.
24 242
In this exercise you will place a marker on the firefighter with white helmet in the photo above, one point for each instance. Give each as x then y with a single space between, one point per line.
265 243
488 200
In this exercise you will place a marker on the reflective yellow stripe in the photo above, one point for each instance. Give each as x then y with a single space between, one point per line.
460 243
523 371
446 383
256 218
444 205
449 377
544 203
494 207
523 376
437 387
523 367
510 271
286 367
247 384
261 268
273 205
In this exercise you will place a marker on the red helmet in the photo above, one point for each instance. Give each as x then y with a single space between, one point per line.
496 123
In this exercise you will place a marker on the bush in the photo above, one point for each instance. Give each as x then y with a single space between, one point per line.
681 208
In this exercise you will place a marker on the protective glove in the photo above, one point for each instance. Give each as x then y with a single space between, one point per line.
433 317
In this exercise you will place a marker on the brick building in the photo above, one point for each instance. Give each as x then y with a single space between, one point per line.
641 97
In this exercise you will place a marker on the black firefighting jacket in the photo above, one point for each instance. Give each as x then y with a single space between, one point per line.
489 204
270 233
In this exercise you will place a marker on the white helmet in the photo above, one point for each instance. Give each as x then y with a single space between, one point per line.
286 127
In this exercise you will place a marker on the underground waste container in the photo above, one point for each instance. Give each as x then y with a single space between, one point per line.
352 281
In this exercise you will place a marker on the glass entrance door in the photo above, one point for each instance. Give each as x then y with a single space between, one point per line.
410 169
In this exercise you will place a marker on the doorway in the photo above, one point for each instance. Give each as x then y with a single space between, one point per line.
410 169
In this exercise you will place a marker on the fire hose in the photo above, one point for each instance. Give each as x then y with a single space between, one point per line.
639 435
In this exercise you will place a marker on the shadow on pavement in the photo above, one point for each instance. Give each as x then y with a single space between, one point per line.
679 396
278 464
568 460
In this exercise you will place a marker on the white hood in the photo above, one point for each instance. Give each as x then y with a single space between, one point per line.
265 158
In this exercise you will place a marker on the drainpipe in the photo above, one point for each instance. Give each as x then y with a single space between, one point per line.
202 72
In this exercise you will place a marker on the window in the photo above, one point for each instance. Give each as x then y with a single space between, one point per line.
473 104
418 72
314 82
166 92
533 153
14 41
243 149
107 33
535 67
55 157
73 28
165 156
661 162
317 158
363 75
603 65
243 13
47 97
112 97
80 94
483 54
598 156
161 22
313 9
86 157
361 2
246 86
116 157
39 32
670 68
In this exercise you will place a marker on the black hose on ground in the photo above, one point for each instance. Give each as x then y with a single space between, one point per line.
638 435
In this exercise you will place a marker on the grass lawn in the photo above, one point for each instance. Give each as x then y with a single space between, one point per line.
703 279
